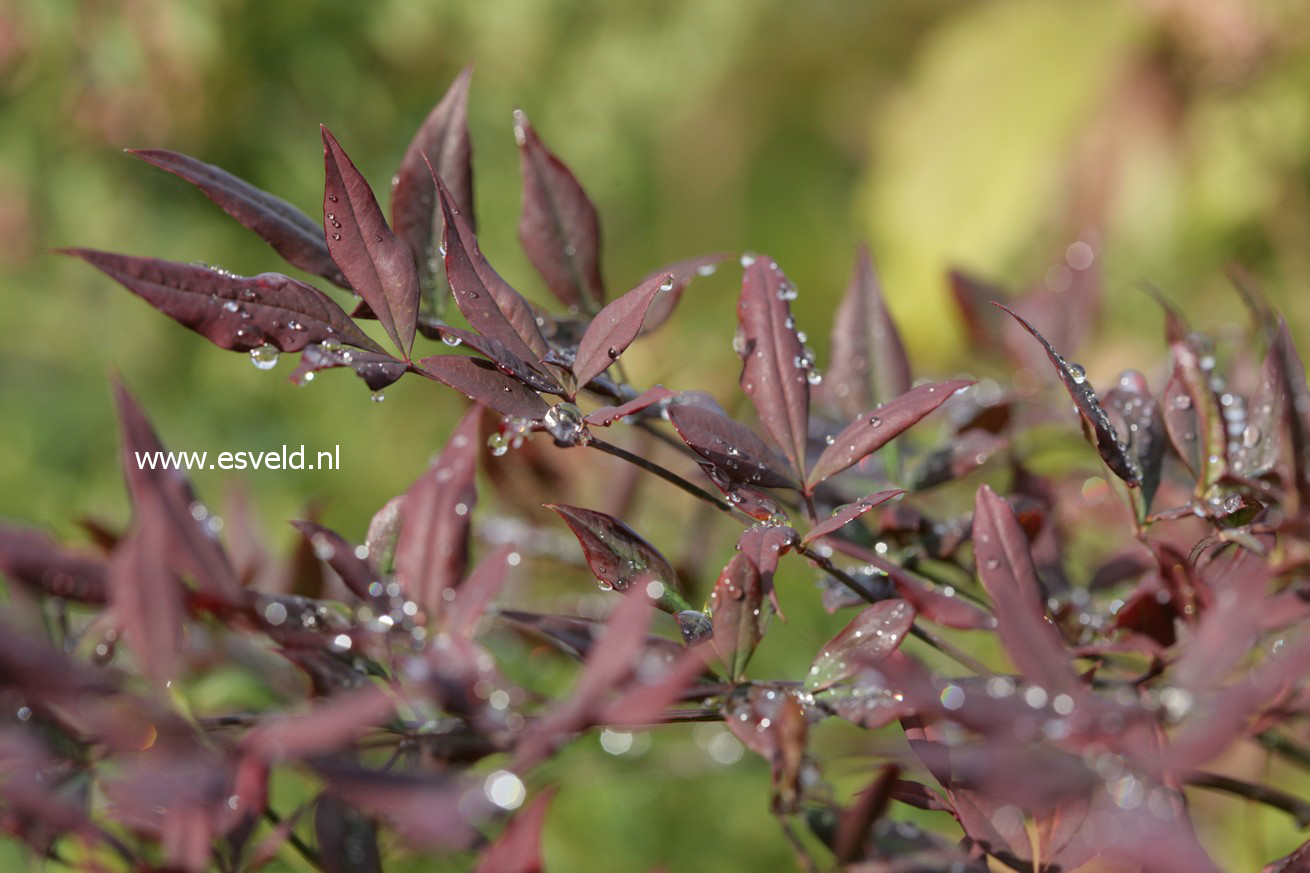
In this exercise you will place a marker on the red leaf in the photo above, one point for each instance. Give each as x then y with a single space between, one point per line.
477 592
346 839
1137 422
774 369
377 370
292 234
432 551
233 312
329 727
614 328
1259 446
737 607
442 143
330 547
619 557
646 700
607 415
1005 567
483 383
844 515
873 635
29 557
559 228
683 273
505 360
147 599
873 430
763 545
868 361
934 605
1101 433
733 449
378 265
492 307
518 848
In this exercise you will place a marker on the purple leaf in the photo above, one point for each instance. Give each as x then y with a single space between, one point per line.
1005 567
378 265
763 545
620 558
518 848
377 370
868 362
233 312
432 551
505 360
146 598
614 328
166 505
1136 418
646 699
31 558
683 273
442 143
329 727
1192 414
774 363
973 297
478 590
737 606
559 228
934 605
331 547
1298 398
733 449
483 383
758 504
1101 433
874 634
292 234
844 515
1257 448
576 636
492 307
873 430
965 453
346 839
607 415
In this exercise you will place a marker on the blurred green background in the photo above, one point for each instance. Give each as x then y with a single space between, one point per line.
989 135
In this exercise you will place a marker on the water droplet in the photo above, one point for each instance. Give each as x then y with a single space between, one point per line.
1076 372
336 236
1181 401
612 352
377 396
231 306
451 340
264 357
875 421
332 197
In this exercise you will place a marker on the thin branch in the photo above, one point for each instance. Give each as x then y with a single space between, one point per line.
1272 797
670 477
1289 749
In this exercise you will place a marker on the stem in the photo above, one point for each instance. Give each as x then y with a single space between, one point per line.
670 477
1293 806
803 856
296 842
1290 750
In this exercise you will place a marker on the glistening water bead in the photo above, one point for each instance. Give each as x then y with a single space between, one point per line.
264 357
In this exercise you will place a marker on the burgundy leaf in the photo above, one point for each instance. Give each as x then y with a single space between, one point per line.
844 515
483 383
620 558
1100 432
733 449
347 840
973 297
518 848
966 453
576 636
559 228
292 234
737 605
758 504
1297 862
646 700
773 725
614 328
1298 397
477 592
873 430
432 811
1193 416
377 370
178 523
505 360
147 599
329 727
1006 570
442 143
1257 448
868 361
763 545
378 265
774 363
1058 830
942 607
330 547
492 307
233 312
607 415
1136 418
31 558
432 551
855 824
874 634
683 273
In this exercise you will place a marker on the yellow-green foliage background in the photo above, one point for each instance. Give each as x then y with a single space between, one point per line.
982 134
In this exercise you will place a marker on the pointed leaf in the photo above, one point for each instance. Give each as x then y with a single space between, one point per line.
737 607
292 234
505 360
146 598
442 143
763 545
874 634
774 363
844 515
492 307
327 728
483 383
1257 449
478 590
620 558
233 312
1298 398
1005 567
733 449
874 429
432 551
378 370
1136 418
378 265
758 504
347 840
1193 416
868 361
973 297
683 273
559 228
330 547
518 848
607 415
31 558
614 328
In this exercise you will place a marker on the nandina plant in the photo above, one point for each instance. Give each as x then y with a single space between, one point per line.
1078 741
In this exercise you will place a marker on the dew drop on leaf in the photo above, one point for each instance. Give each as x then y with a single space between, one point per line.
264 357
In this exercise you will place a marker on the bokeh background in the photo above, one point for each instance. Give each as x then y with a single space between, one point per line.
1172 134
